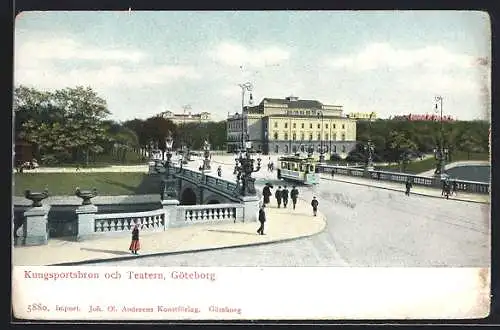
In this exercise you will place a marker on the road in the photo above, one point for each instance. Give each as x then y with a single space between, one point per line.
365 227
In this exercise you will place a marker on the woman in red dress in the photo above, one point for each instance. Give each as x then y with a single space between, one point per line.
135 245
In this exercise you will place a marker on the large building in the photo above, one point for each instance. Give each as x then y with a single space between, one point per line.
186 118
290 125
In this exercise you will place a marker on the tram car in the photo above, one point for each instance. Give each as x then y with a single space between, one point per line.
299 169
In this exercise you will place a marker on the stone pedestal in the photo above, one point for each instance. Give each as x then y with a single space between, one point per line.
170 208
86 220
250 208
36 225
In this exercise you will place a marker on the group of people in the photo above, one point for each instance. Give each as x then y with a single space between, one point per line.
448 188
281 196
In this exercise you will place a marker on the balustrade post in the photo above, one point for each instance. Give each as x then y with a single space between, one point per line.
36 225
170 209
250 208
86 220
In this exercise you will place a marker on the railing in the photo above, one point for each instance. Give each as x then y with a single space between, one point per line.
117 222
208 214
221 185
462 185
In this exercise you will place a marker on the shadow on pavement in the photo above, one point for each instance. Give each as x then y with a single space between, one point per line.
150 184
119 253
231 232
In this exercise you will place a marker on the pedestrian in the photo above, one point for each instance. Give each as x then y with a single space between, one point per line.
135 245
219 171
284 196
294 194
408 187
443 187
262 219
266 192
314 204
277 195
447 189
333 173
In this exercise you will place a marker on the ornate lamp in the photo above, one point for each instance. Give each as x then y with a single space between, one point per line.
168 183
245 167
369 148
206 154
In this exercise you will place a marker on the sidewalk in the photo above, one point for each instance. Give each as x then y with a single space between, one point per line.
417 190
282 225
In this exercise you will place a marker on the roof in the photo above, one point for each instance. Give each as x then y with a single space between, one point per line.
296 103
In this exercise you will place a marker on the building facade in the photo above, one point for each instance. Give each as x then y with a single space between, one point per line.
290 125
363 115
186 118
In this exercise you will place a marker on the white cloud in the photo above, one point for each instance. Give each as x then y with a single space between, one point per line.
377 55
69 49
236 55
114 76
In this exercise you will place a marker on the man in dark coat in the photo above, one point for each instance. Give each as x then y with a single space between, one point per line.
314 204
266 192
262 220
454 186
293 195
284 196
408 187
277 195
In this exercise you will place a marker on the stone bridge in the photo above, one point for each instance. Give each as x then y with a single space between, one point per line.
198 188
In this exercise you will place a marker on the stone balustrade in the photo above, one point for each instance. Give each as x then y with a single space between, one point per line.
208 214
115 222
462 185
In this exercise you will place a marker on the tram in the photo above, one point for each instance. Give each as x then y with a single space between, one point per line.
299 169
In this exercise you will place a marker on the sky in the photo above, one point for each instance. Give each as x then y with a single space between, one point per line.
146 62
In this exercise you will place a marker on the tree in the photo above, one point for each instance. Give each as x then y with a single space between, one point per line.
64 122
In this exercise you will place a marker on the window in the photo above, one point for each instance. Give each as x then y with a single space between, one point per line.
333 125
294 136
310 125
334 136
319 136
310 136
276 149
343 126
319 125
275 135
326 126
286 125
302 125
294 125
275 124
326 136
286 136
334 148
343 136
302 136
343 148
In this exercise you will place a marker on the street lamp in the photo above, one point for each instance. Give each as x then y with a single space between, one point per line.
321 152
244 168
369 147
244 87
440 153
206 155
168 183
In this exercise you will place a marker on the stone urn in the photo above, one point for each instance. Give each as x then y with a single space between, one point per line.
36 197
86 195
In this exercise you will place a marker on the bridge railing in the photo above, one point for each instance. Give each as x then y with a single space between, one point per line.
462 185
208 214
225 186
118 222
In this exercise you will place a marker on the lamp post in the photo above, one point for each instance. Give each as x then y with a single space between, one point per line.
168 183
244 88
244 168
206 155
321 151
440 152
369 147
